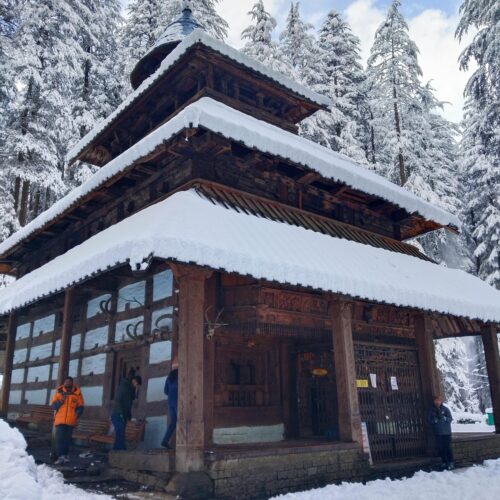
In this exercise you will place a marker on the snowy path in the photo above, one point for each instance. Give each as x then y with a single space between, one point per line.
474 483
22 479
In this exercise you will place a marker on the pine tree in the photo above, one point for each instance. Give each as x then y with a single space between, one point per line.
341 61
480 145
394 79
260 45
453 363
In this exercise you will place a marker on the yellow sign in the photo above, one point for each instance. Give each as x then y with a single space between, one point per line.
363 383
320 372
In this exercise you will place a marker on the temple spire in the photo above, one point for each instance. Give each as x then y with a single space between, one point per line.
174 33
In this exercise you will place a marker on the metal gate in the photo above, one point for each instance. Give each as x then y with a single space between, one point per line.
390 399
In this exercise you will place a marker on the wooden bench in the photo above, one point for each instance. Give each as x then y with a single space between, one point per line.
134 433
86 428
40 415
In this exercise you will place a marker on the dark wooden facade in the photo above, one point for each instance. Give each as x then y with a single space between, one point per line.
259 361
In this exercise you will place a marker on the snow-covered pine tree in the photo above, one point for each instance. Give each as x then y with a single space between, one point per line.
97 84
44 51
259 43
394 80
299 47
480 145
341 62
453 364
145 22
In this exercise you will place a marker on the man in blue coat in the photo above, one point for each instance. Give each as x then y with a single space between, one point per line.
171 391
440 419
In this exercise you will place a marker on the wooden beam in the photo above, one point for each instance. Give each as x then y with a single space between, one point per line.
429 375
190 437
67 330
490 341
9 356
340 312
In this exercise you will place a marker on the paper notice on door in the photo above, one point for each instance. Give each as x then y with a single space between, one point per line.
362 383
394 383
373 380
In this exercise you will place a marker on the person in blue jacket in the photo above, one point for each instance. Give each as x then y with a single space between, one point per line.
440 419
171 391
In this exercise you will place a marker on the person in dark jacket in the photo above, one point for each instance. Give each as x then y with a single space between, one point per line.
171 391
122 408
440 419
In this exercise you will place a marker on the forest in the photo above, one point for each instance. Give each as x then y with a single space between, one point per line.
65 65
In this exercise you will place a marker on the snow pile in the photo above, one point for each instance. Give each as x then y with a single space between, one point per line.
478 483
254 133
189 228
22 479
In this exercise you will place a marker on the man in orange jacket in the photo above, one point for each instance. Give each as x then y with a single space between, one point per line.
68 408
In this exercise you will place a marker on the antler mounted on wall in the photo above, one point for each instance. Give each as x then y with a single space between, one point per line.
213 325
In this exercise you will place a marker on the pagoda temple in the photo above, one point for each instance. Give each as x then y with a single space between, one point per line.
277 271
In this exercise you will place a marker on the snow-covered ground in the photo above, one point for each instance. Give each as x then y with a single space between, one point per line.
22 479
474 483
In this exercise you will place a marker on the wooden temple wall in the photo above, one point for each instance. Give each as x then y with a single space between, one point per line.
130 324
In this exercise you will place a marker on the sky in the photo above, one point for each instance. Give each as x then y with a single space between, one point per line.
432 26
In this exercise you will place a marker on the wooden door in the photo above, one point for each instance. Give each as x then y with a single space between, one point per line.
316 393
124 362
391 403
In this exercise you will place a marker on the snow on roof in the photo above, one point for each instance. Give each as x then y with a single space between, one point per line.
254 133
198 36
189 228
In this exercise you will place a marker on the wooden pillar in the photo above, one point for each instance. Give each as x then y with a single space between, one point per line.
67 330
190 435
9 358
490 342
429 374
430 380
345 371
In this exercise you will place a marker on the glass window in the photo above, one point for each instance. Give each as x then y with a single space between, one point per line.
161 320
75 343
98 305
162 285
17 376
44 325
129 329
23 331
20 355
94 365
132 296
96 338
38 373
41 352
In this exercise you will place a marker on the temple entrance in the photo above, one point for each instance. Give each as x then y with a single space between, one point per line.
124 361
390 399
316 393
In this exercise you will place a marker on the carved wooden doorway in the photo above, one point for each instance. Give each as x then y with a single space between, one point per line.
390 400
316 393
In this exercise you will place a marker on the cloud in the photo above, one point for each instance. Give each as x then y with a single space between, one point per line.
434 33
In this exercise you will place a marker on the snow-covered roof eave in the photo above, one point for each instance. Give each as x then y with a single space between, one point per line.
254 133
198 36
189 228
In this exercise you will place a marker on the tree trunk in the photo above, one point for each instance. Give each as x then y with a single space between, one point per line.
23 211
402 171
17 191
